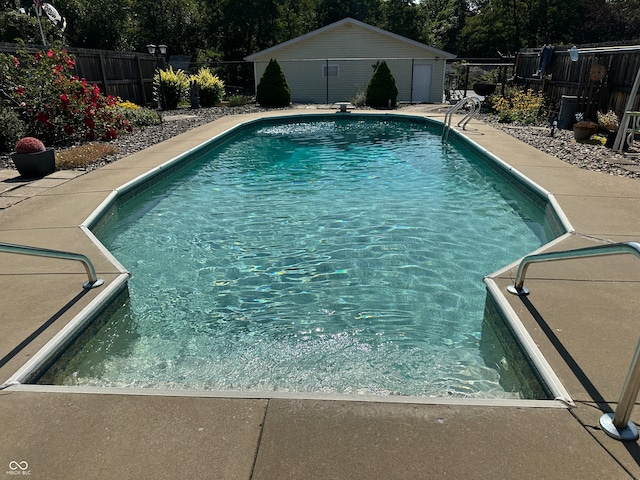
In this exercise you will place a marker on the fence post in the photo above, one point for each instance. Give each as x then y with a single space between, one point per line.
141 82
326 73
105 85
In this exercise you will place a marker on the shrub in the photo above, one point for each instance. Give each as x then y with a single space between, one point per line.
360 100
137 116
171 86
29 145
238 100
523 106
54 105
127 105
273 89
210 87
12 128
382 91
608 121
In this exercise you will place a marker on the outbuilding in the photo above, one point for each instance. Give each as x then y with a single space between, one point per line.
336 62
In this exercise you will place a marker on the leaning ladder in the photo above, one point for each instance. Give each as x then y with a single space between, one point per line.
630 124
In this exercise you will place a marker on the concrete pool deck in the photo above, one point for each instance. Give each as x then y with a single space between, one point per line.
581 314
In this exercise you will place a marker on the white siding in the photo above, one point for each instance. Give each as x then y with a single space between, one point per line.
354 47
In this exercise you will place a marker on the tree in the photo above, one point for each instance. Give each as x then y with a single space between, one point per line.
487 33
175 23
401 17
330 11
92 24
18 27
382 91
273 89
448 25
605 20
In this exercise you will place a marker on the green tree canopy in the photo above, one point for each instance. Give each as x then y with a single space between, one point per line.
233 29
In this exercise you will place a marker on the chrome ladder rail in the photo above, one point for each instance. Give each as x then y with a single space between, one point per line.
616 425
93 280
475 108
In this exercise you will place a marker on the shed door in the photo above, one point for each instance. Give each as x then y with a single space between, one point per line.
421 88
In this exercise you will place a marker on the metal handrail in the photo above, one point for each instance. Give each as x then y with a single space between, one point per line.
597 251
616 425
93 281
475 107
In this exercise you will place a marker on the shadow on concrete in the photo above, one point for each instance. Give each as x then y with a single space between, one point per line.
582 377
36 333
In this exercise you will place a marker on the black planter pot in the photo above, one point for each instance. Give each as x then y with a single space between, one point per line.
484 89
35 165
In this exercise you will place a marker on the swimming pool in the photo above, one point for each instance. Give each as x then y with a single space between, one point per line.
351 262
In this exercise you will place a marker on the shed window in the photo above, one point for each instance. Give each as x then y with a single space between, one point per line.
330 71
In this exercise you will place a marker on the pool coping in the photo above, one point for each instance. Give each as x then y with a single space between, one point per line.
560 396
59 433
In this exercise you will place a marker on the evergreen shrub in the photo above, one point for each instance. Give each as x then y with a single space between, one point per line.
382 91
273 89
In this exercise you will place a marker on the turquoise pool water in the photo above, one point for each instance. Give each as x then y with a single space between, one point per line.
330 256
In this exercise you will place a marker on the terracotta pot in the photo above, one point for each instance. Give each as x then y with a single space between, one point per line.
35 165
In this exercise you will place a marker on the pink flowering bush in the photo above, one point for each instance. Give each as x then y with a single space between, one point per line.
55 105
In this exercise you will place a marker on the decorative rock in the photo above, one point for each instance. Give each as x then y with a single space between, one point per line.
562 145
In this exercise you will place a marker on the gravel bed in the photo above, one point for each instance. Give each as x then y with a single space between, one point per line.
175 123
563 146
560 145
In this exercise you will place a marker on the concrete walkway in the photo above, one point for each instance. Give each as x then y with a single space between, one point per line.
581 313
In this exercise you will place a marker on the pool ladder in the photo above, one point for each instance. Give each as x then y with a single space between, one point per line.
92 282
616 425
474 105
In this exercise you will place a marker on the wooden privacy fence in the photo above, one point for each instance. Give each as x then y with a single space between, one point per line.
127 75
121 74
599 80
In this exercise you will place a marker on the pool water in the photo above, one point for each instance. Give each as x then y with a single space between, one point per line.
330 256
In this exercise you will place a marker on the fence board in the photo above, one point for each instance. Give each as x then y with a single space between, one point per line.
574 78
129 75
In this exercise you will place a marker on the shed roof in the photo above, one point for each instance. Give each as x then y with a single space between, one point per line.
340 23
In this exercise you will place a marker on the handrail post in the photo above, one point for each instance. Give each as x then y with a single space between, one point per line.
93 280
518 287
617 425
449 115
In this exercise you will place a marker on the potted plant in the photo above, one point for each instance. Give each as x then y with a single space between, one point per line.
487 83
583 129
609 123
484 89
33 159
